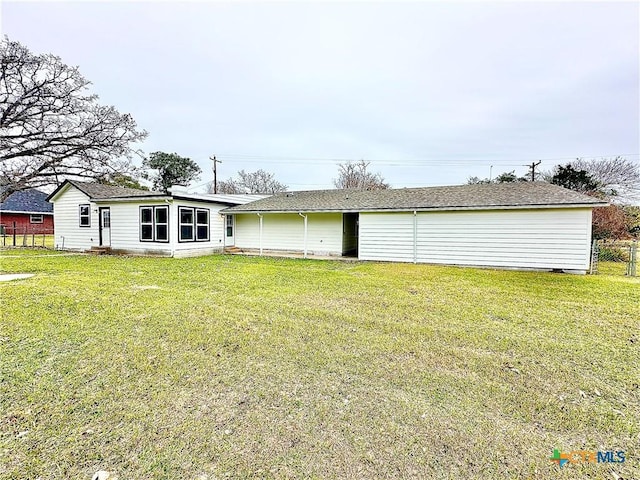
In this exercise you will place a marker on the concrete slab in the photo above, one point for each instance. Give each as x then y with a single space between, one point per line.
6 277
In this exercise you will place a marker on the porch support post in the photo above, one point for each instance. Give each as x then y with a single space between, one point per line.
260 232
415 237
305 233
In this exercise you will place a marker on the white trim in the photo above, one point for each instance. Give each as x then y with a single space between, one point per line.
429 209
9 212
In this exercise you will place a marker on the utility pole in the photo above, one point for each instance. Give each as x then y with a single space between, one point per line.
532 167
215 173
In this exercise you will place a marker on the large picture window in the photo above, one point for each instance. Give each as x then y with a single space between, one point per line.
84 212
154 224
194 224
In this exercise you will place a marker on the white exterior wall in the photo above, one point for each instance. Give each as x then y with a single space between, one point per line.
540 239
285 231
125 229
216 230
68 232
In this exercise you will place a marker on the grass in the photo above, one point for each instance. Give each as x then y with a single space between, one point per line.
247 367
38 241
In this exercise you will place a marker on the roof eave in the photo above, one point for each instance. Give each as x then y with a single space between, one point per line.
27 212
425 209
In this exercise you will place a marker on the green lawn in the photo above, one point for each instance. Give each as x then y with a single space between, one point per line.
247 367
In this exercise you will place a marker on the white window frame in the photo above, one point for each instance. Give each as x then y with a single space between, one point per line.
33 218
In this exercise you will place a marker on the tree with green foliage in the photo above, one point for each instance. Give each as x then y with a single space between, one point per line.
505 177
578 180
122 180
170 169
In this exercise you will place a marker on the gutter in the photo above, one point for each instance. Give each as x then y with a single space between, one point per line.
432 209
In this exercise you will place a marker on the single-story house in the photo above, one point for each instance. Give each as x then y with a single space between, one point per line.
125 220
27 211
529 225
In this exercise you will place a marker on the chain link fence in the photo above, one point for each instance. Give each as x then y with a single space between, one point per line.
615 257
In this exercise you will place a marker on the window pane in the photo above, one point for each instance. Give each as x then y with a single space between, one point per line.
146 215
229 231
146 232
186 232
203 232
229 220
84 221
162 233
106 218
84 209
186 215
202 217
161 214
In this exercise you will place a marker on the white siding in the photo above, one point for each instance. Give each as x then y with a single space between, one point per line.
544 239
125 229
216 230
386 237
68 233
285 231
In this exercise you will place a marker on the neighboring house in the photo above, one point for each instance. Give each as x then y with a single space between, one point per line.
27 212
511 225
179 224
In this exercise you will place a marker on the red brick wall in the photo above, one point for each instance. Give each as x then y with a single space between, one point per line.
23 221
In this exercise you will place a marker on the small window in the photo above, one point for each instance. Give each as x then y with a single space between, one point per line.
106 218
202 225
229 225
36 219
154 224
185 216
85 215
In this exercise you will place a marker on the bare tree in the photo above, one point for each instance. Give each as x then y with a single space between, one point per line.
259 181
617 177
51 128
355 175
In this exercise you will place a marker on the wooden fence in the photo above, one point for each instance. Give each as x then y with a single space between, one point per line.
32 237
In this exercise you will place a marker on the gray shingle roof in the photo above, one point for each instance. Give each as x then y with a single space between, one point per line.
97 190
524 194
31 201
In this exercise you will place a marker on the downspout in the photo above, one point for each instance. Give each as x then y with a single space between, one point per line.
415 237
224 231
260 236
305 234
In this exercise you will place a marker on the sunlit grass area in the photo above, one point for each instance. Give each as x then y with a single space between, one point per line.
26 241
247 367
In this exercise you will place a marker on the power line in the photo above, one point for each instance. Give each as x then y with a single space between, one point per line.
275 159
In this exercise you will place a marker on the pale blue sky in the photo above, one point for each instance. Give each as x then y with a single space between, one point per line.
430 93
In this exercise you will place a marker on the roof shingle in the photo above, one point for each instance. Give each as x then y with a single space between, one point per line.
521 194
28 201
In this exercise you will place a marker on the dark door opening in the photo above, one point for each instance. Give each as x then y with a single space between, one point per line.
350 234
